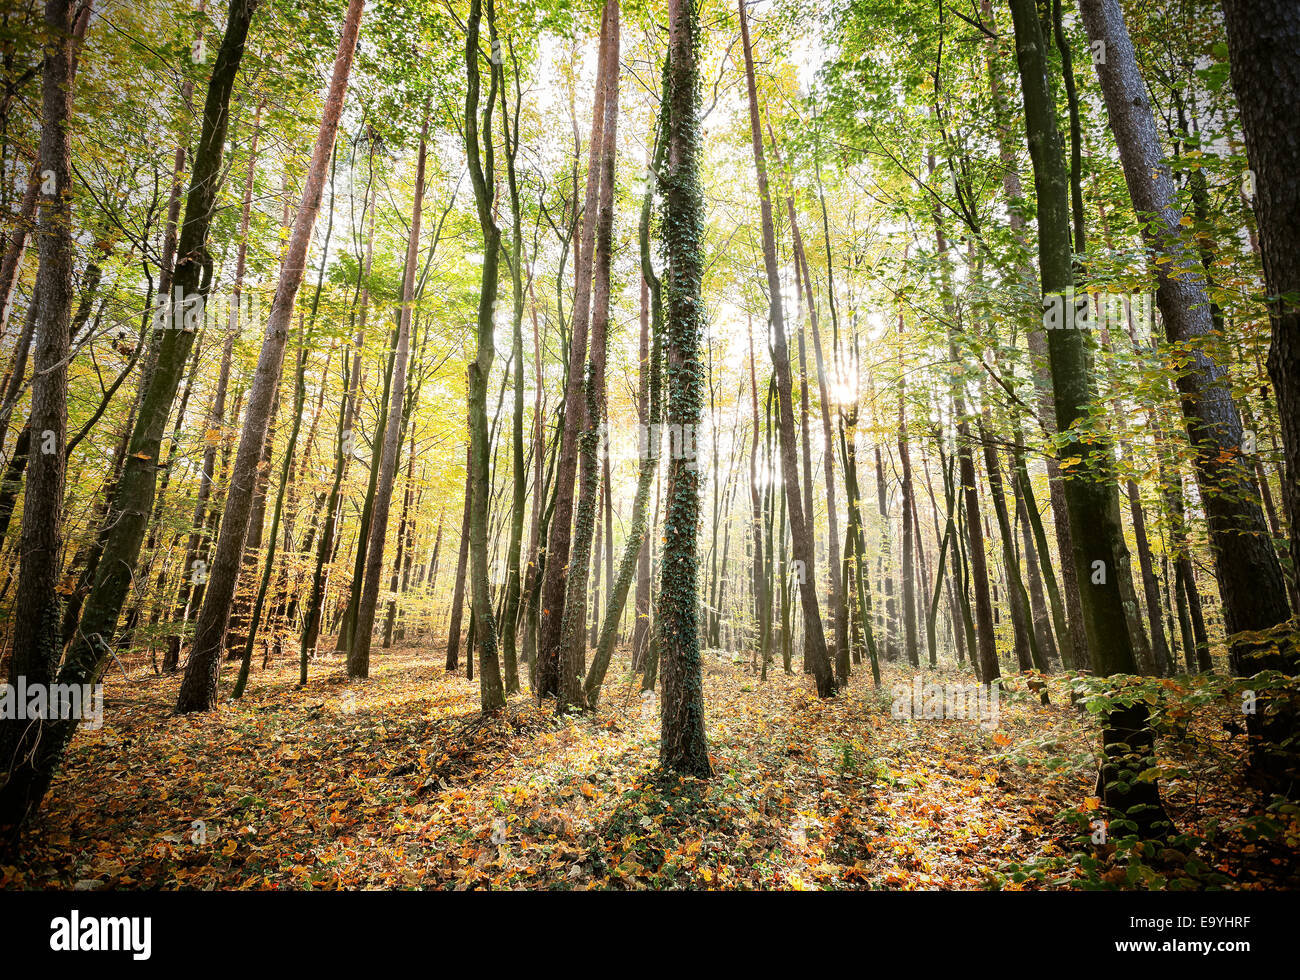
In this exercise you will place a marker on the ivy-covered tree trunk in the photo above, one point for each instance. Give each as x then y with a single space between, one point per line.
200 686
683 747
573 632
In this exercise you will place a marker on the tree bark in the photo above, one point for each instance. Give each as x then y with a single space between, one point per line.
359 654
550 623
683 747
814 637
482 173
1090 485
200 685
1249 576
36 630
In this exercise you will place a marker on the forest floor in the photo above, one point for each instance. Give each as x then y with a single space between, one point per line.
396 782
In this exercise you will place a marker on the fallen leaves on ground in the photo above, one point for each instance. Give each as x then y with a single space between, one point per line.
398 782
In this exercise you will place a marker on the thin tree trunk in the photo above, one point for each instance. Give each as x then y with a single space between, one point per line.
462 563
359 654
553 594
482 174
200 685
814 637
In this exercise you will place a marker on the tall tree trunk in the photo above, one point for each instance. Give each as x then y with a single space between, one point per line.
345 449
1264 49
573 633
215 435
636 549
1074 644
553 594
1090 488
359 654
1249 576
519 473
36 603
683 747
838 605
482 175
200 685
814 637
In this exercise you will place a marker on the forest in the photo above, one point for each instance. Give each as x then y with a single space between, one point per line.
649 444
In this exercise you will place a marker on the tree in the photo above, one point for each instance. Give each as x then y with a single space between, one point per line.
480 167
36 604
200 686
550 624
635 552
572 633
133 492
1090 488
1249 576
134 489
801 532
1264 50
359 654
683 747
